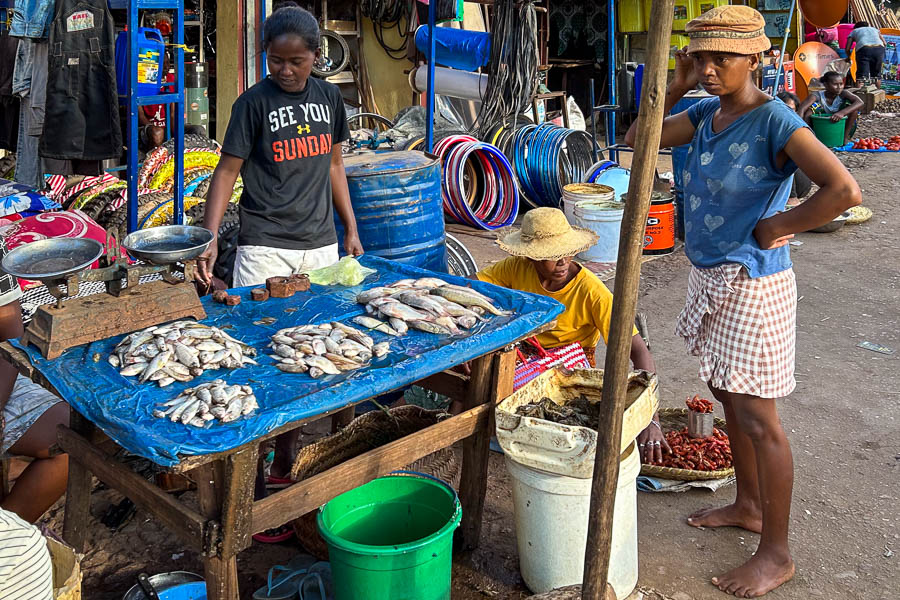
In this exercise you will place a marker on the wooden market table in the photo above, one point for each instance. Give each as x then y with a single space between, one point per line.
226 516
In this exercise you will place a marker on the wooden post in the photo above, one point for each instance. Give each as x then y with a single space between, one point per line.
628 273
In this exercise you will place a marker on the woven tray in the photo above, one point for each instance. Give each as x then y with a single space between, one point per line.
859 214
673 419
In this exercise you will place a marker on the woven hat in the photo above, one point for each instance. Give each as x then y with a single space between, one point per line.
737 29
546 235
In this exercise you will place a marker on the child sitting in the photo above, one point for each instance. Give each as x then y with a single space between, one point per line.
834 100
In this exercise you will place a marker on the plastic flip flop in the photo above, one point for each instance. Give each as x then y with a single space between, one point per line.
316 585
282 579
284 533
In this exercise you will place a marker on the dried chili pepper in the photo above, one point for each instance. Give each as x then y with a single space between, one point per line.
707 454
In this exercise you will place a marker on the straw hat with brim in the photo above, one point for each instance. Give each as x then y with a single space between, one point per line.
546 235
736 29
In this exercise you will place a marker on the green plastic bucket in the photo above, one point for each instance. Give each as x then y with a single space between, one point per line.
830 134
391 539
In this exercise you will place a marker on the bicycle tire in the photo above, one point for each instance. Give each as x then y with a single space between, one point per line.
373 116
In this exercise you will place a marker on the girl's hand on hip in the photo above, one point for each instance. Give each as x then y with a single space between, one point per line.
767 237
352 245
206 262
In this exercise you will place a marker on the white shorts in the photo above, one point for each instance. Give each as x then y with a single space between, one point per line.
254 264
27 403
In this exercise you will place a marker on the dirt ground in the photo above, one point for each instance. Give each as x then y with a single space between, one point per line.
841 422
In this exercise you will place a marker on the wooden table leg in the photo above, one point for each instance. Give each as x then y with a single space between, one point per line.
225 494
491 380
78 490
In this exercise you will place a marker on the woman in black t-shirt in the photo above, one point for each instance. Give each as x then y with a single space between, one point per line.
284 137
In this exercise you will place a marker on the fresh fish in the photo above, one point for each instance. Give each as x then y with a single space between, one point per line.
285 350
423 302
449 323
209 346
280 338
398 310
249 404
165 381
316 372
456 310
318 346
133 369
403 283
331 345
372 293
343 364
467 322
320 362
430 327
199 333
186 355
370 323
429 282
399 326
337 335
158 362
191 411
352 345
381 349
292 367
468 290
467 299
114 360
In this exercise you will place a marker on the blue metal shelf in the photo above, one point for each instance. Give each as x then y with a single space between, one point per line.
135 102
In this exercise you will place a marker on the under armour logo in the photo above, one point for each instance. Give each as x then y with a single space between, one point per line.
303 128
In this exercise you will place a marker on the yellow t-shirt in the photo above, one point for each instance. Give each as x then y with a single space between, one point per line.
588 302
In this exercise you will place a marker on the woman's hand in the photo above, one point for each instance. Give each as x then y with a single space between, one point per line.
685 75
767 235
206 261
836 117
352 245
651 443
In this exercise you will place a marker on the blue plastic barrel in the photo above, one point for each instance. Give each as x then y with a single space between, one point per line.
151 54
396 197
456 48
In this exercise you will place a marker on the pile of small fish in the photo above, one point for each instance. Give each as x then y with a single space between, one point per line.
215 400
324 349
178 351
428 304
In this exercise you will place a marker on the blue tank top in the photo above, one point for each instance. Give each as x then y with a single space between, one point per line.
731 182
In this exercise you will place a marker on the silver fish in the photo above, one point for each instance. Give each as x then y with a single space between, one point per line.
381 349
209 346
398 310
285 350
403 283
114 360
165 381
318 346
430 327
320 362
292 367
399 326
342 363
423 302
370 323
372 293
133 369
429 282
158 362
455 310
467 322
467 299
186 355
316 372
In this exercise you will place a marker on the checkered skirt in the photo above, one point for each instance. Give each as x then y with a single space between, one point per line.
743 329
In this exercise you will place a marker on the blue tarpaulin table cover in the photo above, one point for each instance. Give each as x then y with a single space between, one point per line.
123 408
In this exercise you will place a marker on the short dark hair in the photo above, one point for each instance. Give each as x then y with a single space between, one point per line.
830 75
785 96
289 19
861 24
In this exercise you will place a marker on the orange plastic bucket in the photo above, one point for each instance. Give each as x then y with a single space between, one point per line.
659 235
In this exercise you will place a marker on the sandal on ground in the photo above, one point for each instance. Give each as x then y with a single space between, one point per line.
275 536
283 579
316 584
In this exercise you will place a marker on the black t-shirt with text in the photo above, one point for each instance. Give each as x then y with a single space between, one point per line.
285 140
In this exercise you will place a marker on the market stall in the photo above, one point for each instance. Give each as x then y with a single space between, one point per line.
112 411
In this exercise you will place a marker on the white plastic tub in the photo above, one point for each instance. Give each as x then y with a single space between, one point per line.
604 219
551 513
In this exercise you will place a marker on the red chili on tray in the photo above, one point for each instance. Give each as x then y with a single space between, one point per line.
707 454
700 405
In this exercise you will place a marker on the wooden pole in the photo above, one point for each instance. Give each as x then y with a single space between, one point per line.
628 273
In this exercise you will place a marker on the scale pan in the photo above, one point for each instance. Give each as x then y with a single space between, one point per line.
167 244
54 258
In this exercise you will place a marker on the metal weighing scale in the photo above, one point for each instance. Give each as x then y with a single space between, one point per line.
62 264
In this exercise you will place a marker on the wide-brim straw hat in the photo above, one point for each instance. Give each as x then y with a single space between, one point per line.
736 29
546 235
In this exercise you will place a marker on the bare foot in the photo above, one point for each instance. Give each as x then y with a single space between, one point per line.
760 575
728 516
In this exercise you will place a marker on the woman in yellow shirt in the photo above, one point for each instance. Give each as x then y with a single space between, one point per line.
541 262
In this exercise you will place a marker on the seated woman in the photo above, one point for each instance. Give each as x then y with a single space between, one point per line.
802 184
834 100
29 415
542 263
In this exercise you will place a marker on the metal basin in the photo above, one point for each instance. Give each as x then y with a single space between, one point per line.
162 582
52 259
167 244
834 225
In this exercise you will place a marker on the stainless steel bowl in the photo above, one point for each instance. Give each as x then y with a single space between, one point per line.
168 244
834 225
54 258
162 582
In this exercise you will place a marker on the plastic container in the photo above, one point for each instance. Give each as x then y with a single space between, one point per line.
604 219
659 235
551 513
700 425
177 585
396 198
702 6
457 48
609 173
391 539
151 53
631 16
830 134
579 192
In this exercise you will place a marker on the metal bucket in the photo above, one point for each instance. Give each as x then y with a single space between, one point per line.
396 198
700 425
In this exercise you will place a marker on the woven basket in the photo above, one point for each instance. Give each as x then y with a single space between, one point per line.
859 214
366 432
674 419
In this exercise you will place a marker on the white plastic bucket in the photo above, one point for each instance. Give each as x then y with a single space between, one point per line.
604 219
583 192
551 513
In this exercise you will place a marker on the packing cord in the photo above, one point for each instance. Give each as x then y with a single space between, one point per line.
489 199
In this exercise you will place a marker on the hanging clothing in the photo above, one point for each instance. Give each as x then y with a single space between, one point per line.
31 70
31 18
9 103
82 118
